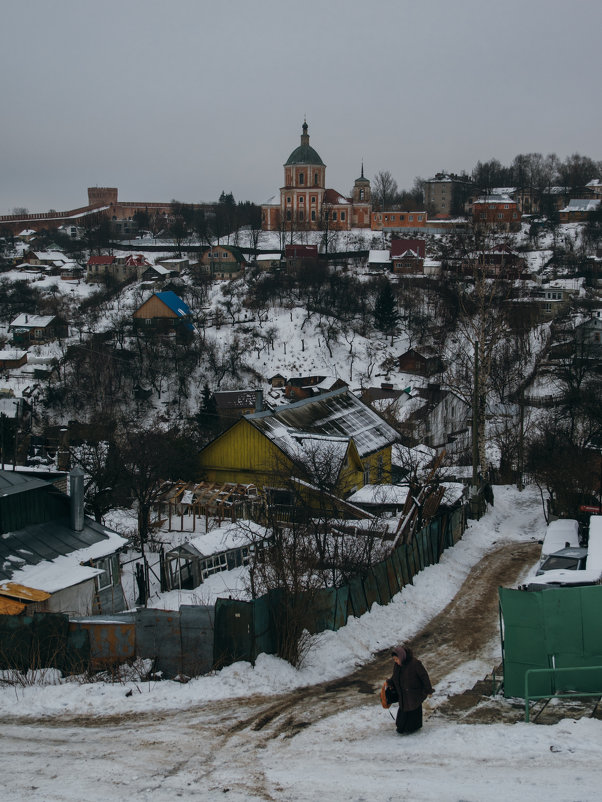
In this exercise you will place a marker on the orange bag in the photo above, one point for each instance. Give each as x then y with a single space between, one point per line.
388 696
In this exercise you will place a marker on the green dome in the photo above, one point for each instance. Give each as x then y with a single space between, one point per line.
304 154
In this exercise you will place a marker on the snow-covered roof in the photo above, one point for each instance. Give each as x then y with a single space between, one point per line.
379 257
26 321
227 537
502 198
335 414
380 494
582 205
50 256
57 570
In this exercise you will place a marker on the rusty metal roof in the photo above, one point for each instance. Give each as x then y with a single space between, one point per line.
11 607
22 592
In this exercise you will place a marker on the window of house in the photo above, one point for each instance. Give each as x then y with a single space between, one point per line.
410 217
212 565
402 217
386 218
420 218
335 216
483 216
500 216
342 215
104 580
367 475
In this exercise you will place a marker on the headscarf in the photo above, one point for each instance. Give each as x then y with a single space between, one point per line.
399 651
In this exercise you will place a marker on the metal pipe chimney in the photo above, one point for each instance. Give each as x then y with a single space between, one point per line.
76 493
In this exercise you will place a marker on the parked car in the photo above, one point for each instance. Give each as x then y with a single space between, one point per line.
569 559
560 534
570 577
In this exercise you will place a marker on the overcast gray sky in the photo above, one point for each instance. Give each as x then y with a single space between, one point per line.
185 98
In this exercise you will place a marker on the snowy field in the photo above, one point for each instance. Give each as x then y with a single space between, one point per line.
166 740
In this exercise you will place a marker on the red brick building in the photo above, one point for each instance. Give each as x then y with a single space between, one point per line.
306 203
498 211
393 221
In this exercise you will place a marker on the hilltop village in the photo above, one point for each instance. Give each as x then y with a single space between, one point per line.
328 356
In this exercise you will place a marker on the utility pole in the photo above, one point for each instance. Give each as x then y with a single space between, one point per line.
475 420
521 439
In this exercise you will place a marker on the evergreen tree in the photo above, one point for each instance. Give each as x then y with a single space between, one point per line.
386 316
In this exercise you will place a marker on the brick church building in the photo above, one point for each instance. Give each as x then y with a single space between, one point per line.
305 202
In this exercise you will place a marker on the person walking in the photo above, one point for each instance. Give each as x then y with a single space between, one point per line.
413 685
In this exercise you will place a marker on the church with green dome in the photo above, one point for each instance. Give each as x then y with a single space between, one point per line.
306 204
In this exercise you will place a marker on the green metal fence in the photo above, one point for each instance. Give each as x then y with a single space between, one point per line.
550 629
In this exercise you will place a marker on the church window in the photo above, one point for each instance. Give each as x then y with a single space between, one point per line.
316 179
288 200
313 198
301 215
313 214
334 216
301 199
288 215
342 215
362 194
301 178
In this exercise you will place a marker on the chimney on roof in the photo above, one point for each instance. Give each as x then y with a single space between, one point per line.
258 400
76 493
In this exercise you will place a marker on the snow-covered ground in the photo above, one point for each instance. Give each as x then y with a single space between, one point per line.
354 755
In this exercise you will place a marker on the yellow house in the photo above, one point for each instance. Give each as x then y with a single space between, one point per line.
333 442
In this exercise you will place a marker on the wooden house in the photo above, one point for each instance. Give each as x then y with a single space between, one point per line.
165 312
223 262
332 441
53 558
424 361
233 404
298 387
29 329
12 359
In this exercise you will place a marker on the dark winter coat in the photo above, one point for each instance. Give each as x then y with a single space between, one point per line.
411 682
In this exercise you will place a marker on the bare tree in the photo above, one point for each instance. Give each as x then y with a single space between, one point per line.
384 190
